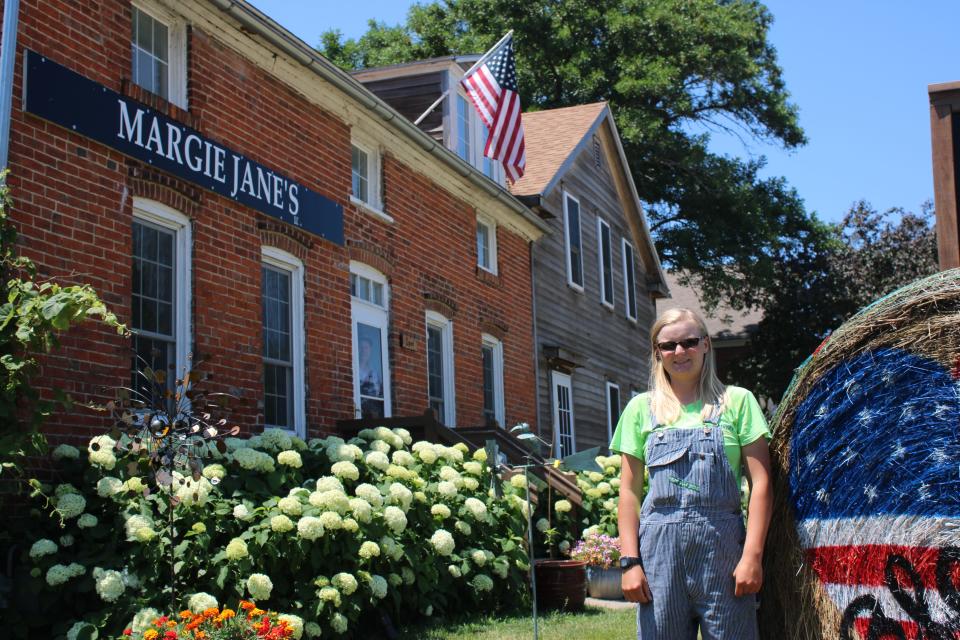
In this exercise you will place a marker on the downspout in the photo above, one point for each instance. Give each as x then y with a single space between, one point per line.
8 53
536 344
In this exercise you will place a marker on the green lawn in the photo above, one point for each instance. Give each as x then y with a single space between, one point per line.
592 624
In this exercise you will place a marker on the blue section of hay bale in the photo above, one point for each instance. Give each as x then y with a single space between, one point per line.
878 435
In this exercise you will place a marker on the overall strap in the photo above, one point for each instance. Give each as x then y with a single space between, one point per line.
716 412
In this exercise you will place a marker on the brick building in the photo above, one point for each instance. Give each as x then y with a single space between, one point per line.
232 194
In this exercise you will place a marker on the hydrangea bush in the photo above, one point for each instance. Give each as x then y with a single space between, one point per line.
325 531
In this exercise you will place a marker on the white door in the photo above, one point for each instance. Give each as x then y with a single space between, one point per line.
563 435
370 357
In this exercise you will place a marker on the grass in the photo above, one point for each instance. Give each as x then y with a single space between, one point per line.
592 624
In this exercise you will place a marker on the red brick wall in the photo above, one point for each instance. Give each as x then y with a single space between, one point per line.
73 207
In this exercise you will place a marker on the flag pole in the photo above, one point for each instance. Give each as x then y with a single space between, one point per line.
476 64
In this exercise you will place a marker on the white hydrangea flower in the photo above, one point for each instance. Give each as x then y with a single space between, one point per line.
564 546
446 489
386 435
329 483
615 483
290 506
135 523
403 458
562 506
440 510
369 549
361 509
214 472
378 586
43 547
442 542
379 446
610 505
275 439
58 573
408 576
448 473
399 494
253 460
377 459
294 623
201 601
463 527
595 476
236 549
192 493
71 505
134 484
65 452
100 452
471 484
66 540
331 520
420 496
391 548
345 583
604 488
518 481
395 519
241 512
331 595
143 620
350 525
454 453
405 436
309 528
454 570
281 524
476 508
427 455
542 525
290 459
312 630
480 455
473 467
332 500
479 557
345 470
259 586
339 623
400 473
64 488
369 493
501 567
344 452
482 582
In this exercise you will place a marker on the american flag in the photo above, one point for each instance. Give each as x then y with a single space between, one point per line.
875 487
492 86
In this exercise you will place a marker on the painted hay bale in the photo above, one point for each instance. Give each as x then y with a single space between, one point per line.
865 539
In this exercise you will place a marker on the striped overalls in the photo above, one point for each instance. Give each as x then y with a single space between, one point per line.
691 539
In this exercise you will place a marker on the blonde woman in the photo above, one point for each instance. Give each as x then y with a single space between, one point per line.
693 566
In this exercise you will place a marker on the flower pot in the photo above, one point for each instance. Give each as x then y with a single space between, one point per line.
561 584
604 583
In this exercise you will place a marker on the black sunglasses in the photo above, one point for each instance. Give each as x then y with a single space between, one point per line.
689 343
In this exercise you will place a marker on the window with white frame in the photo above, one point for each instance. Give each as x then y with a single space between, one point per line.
629 281
159 53
469 138
464 129
605 256
613 408
283 340
486 244
564 437
440 378
365 173
572 240
369 295
160 296
491 351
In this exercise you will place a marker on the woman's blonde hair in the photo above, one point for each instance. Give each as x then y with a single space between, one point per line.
663 401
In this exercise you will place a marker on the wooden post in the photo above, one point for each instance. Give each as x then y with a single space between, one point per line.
945 143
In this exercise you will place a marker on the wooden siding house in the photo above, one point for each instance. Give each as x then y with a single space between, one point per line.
596 277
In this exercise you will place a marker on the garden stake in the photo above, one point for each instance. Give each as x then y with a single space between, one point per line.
533 573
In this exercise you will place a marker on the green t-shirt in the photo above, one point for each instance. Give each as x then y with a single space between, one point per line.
742 421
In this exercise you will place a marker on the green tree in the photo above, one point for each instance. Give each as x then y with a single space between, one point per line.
673 71
33 313
824 282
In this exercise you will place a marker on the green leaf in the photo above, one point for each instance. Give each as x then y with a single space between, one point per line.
221 578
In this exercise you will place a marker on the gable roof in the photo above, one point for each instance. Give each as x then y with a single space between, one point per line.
723 323
554 139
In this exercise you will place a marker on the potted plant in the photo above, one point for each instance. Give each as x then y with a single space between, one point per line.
602 554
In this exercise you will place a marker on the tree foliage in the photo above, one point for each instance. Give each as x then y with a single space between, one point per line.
673 71
818 287
32 315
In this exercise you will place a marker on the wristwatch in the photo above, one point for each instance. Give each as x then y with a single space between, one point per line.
630 561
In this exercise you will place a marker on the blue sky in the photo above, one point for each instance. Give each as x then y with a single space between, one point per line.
857 69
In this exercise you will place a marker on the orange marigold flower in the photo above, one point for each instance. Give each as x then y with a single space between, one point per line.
212 611
195 623
171 624
256 612
226 614
200 635
150 634
186 614
246 605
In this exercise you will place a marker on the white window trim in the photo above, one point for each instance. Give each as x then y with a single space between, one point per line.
288 262
176 48
443 323
168 218
374 178
499 409
566 240
562 379
601 223
492 236
626 248
611 419
451 116
362 309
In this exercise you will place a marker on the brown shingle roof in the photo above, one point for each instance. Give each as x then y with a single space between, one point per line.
551 136
722 323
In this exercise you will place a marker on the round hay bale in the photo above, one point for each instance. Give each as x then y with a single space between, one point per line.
865 538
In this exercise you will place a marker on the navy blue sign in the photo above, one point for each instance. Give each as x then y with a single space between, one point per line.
55 93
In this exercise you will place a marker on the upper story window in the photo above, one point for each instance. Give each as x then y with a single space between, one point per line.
491 352
572 241
365 173
486 245
605 256
629 283
283 340
468 138
464 129
159 53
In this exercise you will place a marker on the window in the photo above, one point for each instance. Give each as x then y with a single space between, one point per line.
440 389
486 245
369 296
492 357
571 223
160 294
464 128
283 341
629 283
605 255
613 408
158 54
468 138
365 172
564 440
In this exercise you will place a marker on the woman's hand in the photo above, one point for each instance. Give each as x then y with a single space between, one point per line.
634 584
748 576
